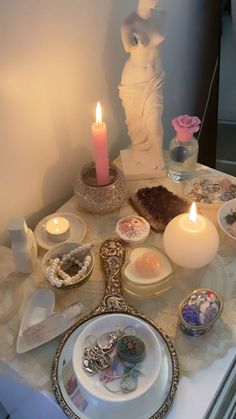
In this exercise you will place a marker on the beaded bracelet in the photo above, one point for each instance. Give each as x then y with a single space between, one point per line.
55 272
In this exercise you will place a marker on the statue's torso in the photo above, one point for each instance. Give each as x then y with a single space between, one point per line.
144 61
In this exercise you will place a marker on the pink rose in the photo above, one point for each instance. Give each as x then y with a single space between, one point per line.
186 123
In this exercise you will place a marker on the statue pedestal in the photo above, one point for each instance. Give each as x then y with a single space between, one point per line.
145 167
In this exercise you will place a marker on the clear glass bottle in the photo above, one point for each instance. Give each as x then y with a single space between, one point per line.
182 159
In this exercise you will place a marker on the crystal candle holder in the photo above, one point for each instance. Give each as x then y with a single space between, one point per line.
100 199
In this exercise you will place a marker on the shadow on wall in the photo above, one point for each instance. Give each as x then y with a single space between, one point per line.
113 44
179 55
55 178
68 156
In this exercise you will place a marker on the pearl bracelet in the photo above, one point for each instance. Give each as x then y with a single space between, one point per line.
55 272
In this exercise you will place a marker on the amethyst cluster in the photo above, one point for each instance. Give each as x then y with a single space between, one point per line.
160 203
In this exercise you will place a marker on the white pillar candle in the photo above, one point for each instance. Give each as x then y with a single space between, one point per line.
191 240
58 229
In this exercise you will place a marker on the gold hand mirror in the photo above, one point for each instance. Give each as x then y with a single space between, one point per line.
66 387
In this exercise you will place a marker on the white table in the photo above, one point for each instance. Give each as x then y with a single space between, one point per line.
195 392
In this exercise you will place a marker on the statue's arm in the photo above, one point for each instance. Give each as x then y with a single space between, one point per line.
129 38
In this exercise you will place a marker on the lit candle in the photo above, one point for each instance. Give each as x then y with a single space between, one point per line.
191 240
58 229
100 148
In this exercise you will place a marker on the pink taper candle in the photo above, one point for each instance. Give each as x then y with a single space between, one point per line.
100 148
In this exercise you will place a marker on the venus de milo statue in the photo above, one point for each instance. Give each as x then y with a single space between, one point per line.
141 91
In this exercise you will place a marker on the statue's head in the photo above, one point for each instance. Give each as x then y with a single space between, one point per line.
150 4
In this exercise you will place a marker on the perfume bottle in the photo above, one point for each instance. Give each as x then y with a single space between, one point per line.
183 148
24 247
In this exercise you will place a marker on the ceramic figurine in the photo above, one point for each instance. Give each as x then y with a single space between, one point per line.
141 90
24 247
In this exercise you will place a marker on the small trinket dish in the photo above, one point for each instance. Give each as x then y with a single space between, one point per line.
76 232
68 264
210 190
91 385
39 307
147 272
199 311
226 218
133 229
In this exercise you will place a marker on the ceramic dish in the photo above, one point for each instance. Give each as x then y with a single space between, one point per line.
199 311
69 395
133 229
147 294
211 189
62 249
33 330
92 387
78 229
147 273
227 209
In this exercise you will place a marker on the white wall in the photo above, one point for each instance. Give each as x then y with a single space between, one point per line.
58 57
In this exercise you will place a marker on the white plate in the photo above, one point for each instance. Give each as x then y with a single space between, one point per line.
223 211
38 308
92 387
195 191
78 230
68 392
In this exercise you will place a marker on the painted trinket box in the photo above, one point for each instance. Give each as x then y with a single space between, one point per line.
133 229
199 311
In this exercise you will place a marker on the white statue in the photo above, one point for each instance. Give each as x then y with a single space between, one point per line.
141 91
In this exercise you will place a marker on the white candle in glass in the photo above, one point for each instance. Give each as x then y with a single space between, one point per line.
58 229
191 240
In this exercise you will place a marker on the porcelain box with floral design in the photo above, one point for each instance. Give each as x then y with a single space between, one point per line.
133 229
199 311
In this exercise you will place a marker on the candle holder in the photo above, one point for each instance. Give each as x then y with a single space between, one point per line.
100 199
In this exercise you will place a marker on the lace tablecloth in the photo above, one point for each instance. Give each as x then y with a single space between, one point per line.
193 352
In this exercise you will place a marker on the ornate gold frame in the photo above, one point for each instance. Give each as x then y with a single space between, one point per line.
112 253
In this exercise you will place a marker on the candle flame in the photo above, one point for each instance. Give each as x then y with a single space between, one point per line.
98 114
55 221
193 213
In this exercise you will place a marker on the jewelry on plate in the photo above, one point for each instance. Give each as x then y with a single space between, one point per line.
55 272
115 355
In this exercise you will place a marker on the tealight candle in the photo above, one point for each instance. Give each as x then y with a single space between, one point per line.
58 229
191 240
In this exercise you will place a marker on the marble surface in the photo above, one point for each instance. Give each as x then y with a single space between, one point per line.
194 354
